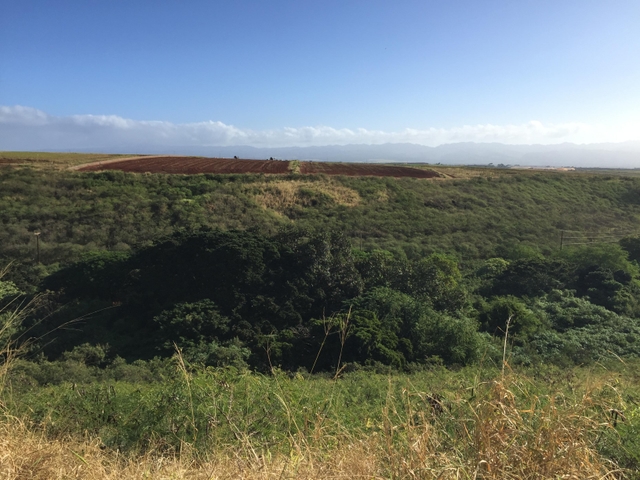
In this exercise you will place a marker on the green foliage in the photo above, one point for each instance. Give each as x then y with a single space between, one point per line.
435 279
494 314
84 365
438 280
415 331
89 355
455 340
582 332
188 325
631 245
492 268
566 311
622 445
607 256
213 407
205 262
241 298
231 353
528 278
8 290
141 264
96 274
79 212
210 409
606 276
9 313
380 268
202 290
517 251
373 339
201 332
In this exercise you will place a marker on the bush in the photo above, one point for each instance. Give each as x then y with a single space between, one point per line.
494 314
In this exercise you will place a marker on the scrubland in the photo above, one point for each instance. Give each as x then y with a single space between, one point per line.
484 324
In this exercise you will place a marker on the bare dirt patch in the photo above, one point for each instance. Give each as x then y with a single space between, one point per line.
365 169
192 165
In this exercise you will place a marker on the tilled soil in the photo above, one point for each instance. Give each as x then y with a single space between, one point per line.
193 165
365 169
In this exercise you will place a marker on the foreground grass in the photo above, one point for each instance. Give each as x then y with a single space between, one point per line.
473 423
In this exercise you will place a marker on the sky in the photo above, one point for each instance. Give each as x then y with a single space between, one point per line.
97 73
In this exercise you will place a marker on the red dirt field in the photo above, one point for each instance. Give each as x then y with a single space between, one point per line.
365 169
191 165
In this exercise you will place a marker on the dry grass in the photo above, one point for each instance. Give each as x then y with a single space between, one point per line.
282 195
56 161
25 455
550 438
503 435
447 172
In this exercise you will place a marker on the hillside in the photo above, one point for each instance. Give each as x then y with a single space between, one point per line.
469 212
310 245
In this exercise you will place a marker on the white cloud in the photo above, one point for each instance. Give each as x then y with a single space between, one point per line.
25 116
26 128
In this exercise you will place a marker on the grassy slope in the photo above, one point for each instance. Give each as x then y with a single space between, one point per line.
471 216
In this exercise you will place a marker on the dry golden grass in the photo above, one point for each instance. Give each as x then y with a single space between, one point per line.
281 195
56 161
550 438
25 455
447 172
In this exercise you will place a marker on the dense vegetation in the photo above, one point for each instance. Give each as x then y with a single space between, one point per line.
468 217
249 270
295 274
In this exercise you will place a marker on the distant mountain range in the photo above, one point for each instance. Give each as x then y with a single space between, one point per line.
604 155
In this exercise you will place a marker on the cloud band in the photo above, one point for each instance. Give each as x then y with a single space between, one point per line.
27 128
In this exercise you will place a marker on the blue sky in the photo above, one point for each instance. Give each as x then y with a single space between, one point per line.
319 72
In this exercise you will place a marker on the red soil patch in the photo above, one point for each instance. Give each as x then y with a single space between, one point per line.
365 169
191 165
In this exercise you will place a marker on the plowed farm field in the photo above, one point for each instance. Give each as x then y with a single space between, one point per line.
193 165
365 169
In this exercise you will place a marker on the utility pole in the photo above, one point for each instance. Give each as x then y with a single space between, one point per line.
37 234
